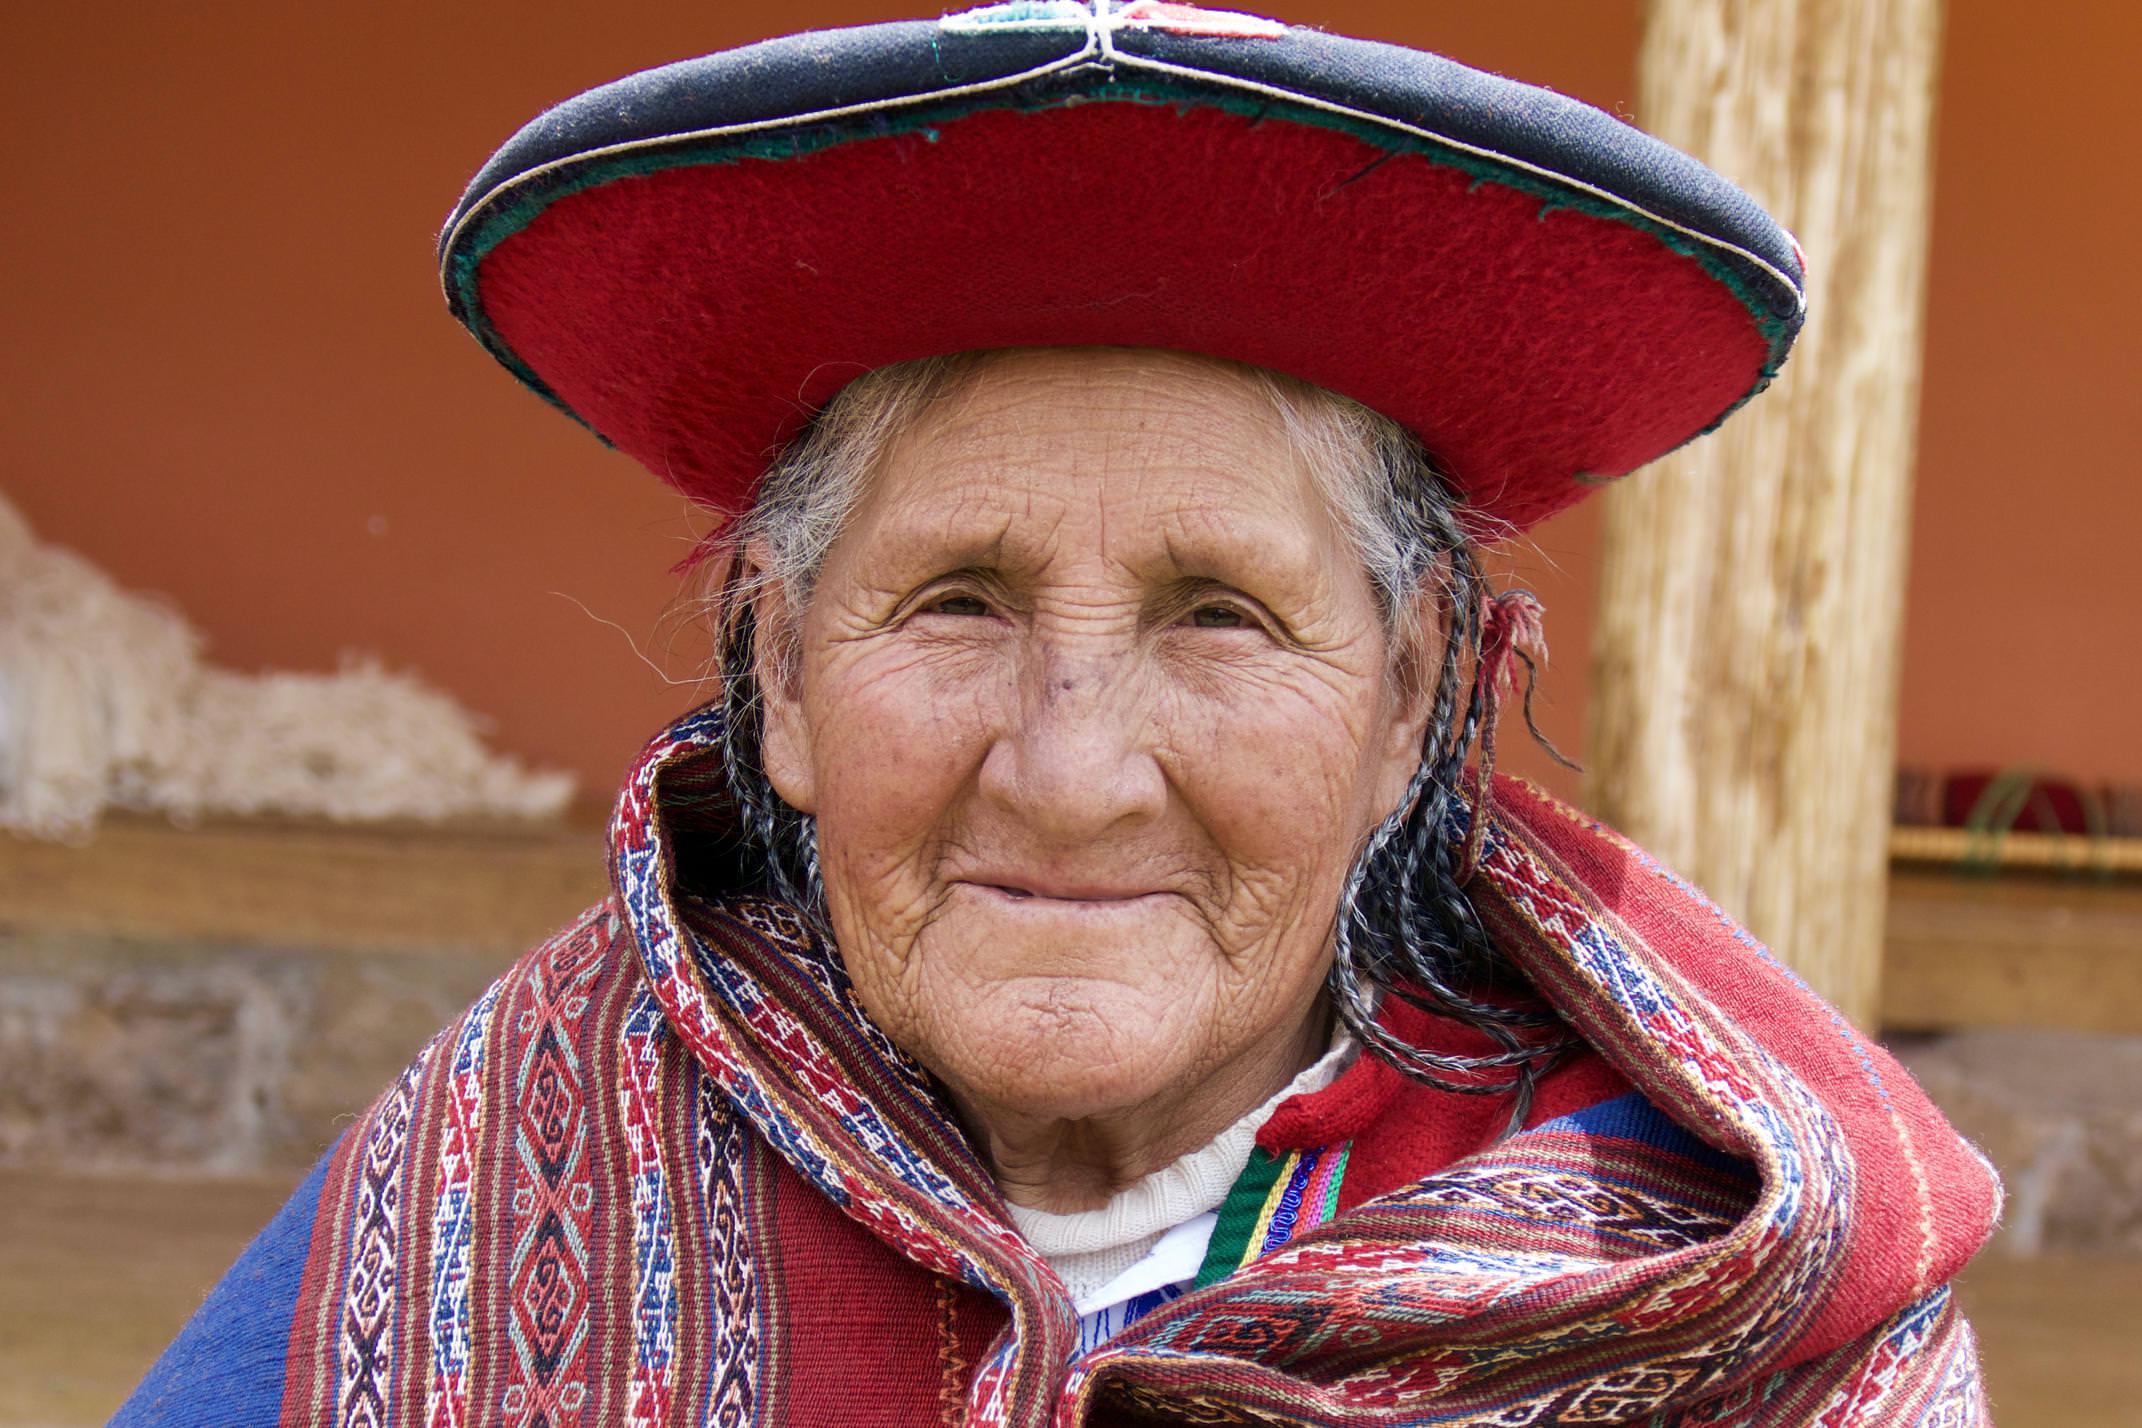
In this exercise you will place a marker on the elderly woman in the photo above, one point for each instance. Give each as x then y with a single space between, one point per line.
1074 970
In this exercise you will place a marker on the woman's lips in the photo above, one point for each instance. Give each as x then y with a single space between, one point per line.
1048 891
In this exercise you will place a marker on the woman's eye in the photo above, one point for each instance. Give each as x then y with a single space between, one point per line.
1218 617
958 605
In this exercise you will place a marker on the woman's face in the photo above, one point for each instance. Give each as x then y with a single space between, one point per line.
1093 707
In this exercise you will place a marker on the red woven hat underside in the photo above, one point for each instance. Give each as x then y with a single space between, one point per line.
696 316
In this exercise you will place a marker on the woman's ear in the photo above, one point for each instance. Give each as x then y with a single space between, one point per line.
784 733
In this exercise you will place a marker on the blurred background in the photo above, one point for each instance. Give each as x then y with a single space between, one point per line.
230 384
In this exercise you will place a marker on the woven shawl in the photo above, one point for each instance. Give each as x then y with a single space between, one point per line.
665 1171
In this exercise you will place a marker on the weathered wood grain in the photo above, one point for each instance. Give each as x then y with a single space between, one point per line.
1743 720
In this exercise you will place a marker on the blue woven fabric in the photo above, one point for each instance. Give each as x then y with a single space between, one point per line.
225 1369
1632 1117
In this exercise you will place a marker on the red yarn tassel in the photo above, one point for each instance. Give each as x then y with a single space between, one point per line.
1512 625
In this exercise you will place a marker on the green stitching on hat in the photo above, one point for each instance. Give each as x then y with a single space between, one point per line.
1024 14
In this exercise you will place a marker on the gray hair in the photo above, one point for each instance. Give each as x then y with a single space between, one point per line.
1406 926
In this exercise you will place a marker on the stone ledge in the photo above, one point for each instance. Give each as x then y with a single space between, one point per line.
2060 1115
196 1057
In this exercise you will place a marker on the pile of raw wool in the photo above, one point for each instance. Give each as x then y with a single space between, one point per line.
105 702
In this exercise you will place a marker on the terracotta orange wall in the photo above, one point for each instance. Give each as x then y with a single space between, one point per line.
2024 614
230 378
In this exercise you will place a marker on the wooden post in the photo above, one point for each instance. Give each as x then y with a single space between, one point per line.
1744 720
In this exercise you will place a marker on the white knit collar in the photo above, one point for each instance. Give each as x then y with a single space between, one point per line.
1176 1192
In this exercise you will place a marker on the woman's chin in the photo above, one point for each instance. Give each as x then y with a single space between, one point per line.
1075 1053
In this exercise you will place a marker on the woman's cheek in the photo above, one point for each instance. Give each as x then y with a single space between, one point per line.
903 734
1273 769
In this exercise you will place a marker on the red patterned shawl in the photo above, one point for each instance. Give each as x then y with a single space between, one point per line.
664 1172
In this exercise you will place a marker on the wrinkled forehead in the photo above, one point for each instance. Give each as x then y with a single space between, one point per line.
1125 453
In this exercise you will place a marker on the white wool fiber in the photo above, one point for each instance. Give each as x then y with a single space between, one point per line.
106 702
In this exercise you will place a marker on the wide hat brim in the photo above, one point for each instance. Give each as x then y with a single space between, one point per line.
692 260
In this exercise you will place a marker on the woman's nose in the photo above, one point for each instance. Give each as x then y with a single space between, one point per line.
1078 756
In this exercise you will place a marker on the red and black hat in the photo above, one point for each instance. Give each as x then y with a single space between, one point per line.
692 260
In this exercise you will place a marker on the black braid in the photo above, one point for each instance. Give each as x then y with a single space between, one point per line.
1406 924
784 841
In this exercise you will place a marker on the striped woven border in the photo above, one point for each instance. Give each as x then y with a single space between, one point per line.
1271 1201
